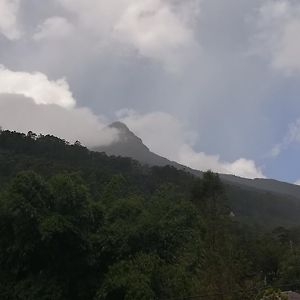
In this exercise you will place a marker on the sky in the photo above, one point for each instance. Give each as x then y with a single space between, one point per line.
212 84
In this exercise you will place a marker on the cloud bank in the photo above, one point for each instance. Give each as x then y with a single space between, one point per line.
36 86
279 31
291 137
156 29
77 124
168 137
9 10
32 102
115 54
54 28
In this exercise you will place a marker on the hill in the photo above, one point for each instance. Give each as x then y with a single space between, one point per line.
263 201
80 225
129 145
49 155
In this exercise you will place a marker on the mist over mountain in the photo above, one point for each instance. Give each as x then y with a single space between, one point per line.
130 145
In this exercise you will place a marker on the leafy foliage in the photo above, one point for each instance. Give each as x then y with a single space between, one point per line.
78 225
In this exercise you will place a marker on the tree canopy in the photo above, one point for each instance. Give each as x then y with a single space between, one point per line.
78 225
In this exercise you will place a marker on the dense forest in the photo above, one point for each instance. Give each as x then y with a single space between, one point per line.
79 225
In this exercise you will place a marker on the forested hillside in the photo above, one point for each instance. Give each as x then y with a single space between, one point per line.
76 224
264 202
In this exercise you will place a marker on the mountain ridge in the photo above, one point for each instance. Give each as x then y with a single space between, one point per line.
48 155
130 145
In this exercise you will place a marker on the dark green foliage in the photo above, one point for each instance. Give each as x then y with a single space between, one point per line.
78 225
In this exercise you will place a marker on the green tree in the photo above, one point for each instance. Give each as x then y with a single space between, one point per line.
273 294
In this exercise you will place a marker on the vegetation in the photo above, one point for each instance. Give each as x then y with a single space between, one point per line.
79 225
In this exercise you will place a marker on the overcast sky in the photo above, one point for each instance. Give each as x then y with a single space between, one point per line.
213 84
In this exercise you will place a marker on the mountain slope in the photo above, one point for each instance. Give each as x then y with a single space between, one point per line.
129 145
49 156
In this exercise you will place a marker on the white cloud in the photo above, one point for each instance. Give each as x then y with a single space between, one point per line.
156 29
166 135
162 132
292 136
297 182
279 31
36 86
54 28
8 19
30 101
23 114
199 160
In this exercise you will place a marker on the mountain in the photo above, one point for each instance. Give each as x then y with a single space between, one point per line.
129 145
265 203
78 224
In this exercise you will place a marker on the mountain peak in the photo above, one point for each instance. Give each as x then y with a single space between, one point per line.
120 126
130 145
126 135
